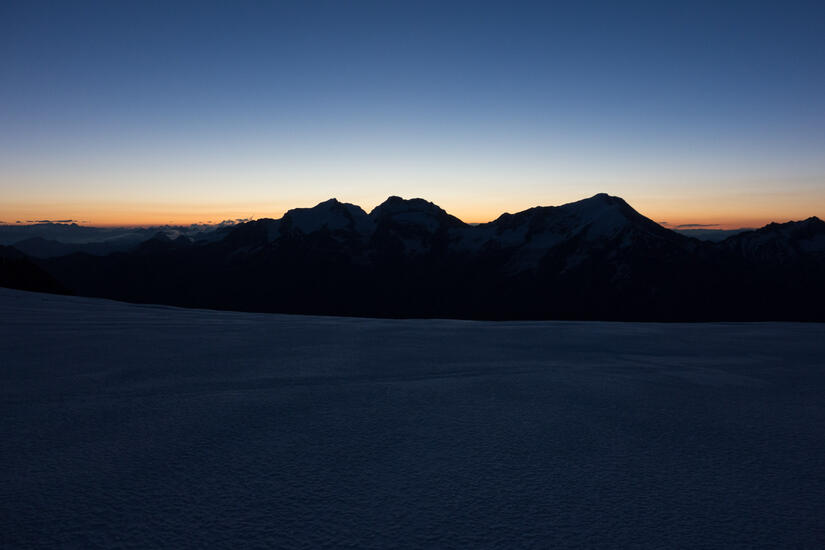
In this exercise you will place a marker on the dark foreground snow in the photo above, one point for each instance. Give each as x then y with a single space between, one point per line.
139 426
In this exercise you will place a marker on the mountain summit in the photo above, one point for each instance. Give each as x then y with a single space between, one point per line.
332 215
414 212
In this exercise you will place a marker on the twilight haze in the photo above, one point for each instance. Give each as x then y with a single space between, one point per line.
153 112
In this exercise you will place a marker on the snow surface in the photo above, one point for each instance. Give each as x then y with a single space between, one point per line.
140 426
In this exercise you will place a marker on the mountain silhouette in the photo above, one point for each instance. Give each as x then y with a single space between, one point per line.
20 272
596 258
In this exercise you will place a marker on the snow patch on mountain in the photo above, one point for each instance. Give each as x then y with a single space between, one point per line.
781 241
331 215
414 212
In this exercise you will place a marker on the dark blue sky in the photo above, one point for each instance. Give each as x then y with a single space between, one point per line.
695 112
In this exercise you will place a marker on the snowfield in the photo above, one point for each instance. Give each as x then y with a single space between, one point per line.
144 426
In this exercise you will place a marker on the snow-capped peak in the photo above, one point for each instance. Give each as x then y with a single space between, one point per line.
600 215
414 212
332 214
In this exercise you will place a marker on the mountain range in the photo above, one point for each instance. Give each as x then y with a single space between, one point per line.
597 258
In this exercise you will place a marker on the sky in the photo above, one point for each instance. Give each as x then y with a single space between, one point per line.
126 113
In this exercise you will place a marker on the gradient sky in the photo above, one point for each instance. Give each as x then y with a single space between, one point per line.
155 112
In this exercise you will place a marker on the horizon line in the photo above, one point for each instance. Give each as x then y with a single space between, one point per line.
216 218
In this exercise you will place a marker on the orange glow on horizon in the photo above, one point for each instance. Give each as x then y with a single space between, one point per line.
670 215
